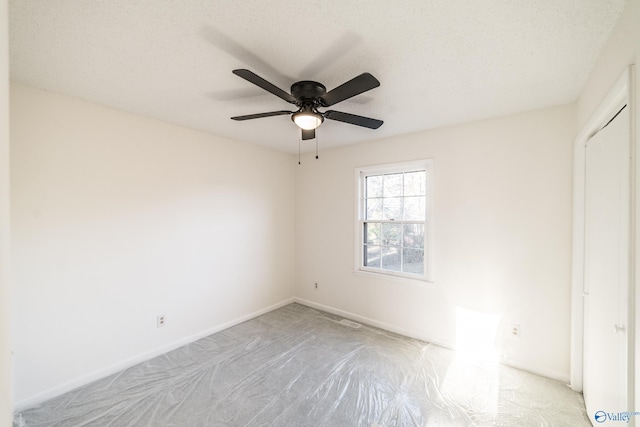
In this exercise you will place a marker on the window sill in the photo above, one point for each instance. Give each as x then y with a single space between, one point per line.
396 279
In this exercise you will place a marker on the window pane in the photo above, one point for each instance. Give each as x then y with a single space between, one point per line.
374 186
392 208
394 218
414 208
393 185
413 236
372 233
374 209
372 256
391 234
415 183
391 258
413 261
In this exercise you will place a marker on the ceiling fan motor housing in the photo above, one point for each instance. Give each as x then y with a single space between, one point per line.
307 92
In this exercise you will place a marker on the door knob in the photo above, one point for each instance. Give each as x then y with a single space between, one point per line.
618 328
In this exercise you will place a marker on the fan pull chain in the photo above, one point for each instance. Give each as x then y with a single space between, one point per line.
317 144
299 144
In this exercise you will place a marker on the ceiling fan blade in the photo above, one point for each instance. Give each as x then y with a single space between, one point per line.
353 119
308 134
261 115
353 87
269 87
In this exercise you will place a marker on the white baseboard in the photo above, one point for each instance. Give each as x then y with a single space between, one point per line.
554 375
372 322
562 377
127 363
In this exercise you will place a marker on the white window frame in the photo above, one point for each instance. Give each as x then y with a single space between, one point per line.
360 174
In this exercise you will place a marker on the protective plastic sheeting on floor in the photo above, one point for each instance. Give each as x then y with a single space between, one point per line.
297 366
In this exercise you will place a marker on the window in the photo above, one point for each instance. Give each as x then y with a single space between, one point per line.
393 223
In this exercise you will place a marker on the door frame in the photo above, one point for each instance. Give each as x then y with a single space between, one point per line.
619 95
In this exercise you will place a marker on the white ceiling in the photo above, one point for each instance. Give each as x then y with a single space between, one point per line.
440 62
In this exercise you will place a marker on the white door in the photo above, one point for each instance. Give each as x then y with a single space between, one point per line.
607 230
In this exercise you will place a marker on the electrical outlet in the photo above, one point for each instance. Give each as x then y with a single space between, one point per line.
515 330
315 285
160 320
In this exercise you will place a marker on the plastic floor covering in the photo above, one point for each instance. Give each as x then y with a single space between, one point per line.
297 366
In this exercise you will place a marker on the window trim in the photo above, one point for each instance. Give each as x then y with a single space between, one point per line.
360 173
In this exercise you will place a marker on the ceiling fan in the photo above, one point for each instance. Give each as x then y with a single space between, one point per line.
308 96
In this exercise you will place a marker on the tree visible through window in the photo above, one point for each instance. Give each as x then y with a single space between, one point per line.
393 221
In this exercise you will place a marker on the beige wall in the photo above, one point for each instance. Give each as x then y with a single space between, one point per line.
117 218
502 239
5 341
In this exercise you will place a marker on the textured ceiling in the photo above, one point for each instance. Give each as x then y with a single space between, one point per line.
440 62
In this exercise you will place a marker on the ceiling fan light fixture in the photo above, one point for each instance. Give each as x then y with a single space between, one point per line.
307 120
